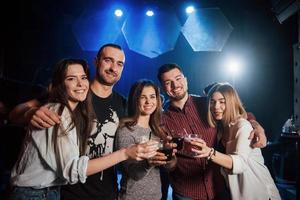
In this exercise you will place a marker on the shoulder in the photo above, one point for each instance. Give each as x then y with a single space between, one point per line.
53 106
124 137
124 131
118 97
242 122
197 97
242 126
66 118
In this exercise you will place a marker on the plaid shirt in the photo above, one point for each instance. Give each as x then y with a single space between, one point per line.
193 178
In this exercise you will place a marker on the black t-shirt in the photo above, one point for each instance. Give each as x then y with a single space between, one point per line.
102 185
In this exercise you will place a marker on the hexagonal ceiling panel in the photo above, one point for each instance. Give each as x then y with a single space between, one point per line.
207 30
151 36
94 30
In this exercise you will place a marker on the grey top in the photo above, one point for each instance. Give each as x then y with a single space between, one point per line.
139 180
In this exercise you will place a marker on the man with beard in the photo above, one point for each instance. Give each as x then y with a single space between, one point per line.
109 106
186 114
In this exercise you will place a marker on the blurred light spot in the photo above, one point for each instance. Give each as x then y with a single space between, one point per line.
234 65
189 9
118 13
150 13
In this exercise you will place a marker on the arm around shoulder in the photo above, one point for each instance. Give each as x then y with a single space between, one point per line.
23 112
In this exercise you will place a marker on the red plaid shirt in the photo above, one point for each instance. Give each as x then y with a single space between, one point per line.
193 178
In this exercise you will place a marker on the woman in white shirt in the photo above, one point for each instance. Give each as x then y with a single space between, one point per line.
56 156
242 166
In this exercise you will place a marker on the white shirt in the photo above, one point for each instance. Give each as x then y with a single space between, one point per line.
249 179
38 167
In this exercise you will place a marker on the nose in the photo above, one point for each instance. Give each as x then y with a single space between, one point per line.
174 84
79 82
147 100
217 105
113 66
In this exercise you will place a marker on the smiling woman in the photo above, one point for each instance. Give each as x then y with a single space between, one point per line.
52 157
141 180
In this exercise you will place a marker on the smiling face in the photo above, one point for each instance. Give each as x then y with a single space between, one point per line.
174 84
110 65
217 105
77 84
147 101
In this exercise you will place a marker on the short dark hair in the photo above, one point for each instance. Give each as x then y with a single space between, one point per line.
165 68
108 45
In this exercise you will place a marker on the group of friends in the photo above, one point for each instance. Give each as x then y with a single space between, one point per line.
81 130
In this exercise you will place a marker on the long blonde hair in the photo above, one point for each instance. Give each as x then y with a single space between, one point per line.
234 108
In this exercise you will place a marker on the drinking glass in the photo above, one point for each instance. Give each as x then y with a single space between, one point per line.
187 146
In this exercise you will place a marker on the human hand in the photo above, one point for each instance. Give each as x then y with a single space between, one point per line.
200 149
158 160
142 151
170 144
257 135
43 118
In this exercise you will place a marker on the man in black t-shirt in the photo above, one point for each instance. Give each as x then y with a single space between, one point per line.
104 184
109 107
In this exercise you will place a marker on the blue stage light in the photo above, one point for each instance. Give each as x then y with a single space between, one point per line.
118 12
150 13
189 9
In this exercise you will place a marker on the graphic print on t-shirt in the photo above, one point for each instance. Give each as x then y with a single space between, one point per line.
101 142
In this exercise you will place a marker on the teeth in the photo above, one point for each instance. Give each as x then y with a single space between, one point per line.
79 91
177 90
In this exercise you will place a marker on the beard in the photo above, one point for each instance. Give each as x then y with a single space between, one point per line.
178 97
107 81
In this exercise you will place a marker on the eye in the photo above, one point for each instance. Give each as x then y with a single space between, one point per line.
70 78
212 102
120 64
153 96
167 83
179 78
107 60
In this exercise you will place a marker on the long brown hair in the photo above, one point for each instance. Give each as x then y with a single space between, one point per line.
133 107
234 107
82 116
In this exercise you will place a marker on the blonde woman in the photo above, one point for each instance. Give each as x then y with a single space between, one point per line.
242 166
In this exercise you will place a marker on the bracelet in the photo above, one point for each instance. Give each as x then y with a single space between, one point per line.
211 153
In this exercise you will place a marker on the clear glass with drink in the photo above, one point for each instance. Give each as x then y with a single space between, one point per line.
187 146
178 139
165 149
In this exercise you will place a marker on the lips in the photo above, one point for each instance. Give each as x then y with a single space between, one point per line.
177 90
111 73
80 91
218 114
